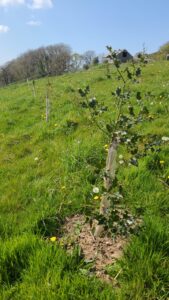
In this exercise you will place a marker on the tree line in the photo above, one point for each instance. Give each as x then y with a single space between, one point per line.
45 61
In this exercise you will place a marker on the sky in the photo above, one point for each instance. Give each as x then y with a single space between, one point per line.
83 25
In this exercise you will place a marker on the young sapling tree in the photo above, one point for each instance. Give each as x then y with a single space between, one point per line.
122 132
33 88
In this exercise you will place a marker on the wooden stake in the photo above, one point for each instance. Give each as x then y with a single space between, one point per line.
47 108
110 173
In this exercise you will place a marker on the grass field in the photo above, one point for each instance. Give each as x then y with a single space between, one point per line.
47 172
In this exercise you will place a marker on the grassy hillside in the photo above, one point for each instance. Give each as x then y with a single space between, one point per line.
47 172
161 53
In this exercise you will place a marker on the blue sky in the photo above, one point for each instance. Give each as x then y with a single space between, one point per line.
82 24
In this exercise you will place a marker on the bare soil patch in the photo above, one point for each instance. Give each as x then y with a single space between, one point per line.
101 251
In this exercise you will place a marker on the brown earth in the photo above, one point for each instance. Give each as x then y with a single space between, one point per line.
101 251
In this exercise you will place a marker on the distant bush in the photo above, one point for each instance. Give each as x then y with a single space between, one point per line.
85 66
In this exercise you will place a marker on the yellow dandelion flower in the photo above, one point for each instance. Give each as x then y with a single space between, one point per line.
96 198
53 239
162 162
56 125
168 177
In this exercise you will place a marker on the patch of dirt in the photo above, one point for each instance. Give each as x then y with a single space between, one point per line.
101 251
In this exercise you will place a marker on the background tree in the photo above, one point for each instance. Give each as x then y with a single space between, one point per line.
76 62
95 60
88 57
51 60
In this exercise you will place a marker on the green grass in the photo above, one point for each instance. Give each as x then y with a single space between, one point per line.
38 159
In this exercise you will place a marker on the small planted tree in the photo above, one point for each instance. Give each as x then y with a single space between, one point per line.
33 88
130 111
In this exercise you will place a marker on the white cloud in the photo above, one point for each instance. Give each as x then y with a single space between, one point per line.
11 2
37 4
4 29
33 4
33 23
